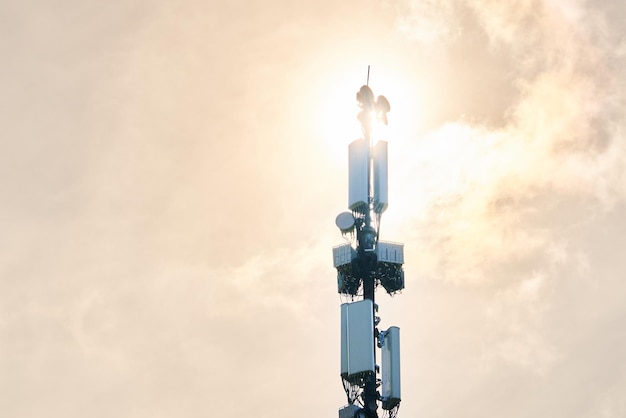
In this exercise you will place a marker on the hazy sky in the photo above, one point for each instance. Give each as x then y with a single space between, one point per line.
170 173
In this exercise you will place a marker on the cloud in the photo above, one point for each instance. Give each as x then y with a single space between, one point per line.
427 22
163 181
489 188
511 212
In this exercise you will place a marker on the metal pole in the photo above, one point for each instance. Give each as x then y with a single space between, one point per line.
367 261
361 268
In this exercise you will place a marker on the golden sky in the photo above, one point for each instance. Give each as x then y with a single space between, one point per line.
171 171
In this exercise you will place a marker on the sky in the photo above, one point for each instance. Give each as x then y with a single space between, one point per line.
170 173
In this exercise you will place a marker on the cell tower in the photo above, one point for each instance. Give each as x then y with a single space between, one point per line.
362 265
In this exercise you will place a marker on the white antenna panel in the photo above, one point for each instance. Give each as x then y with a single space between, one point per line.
357 339
343 254
358 162
390 252
391 368
381 199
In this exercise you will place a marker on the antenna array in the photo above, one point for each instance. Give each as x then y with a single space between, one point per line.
362 265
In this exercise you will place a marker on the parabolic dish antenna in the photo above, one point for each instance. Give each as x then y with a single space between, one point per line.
345 222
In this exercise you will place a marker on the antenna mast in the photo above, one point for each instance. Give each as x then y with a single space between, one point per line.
362 265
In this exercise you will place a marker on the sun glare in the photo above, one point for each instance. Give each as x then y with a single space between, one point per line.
337 119
337 123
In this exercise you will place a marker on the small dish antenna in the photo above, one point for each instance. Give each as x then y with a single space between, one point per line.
345 222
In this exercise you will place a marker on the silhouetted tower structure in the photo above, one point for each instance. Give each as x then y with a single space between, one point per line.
362 265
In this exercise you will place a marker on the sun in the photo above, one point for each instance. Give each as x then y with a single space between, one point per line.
336 121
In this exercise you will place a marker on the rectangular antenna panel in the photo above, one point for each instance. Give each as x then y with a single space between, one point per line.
343 254
389 252
381 199
348 411
357 338
391 368
358 167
